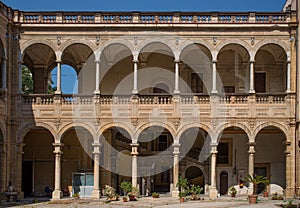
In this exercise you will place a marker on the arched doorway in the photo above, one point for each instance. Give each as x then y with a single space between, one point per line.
223 182
195 176
38 163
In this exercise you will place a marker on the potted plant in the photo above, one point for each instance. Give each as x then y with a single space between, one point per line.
232 191
126 186
76 195
195 191
155 195
182 186
133 194
255 181
110 192
266 192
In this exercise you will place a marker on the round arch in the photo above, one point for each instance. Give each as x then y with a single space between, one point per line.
143 127
67 127
196 170
228 125
105 45
27 127
262 43
27 44
240 43
187 44
189 126
280 126
167 43
111 125
69 43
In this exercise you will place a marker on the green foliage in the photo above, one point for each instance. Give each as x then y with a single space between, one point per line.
183 186
232 191
27 80
126 186
256 180
196 190
155 195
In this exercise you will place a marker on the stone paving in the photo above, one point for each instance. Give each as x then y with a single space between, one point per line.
146 202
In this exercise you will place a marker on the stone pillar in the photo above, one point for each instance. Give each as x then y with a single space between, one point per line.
288 77
57 193
214 77
58 89
251 81
176 154
20 74
18 178
251 163
290 167
4 73
3 182
134 153
213 192
176 89
135 77
96 194
97 88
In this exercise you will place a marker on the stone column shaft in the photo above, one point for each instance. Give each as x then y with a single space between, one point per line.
176 154
288 77
135 77
96 194
214 77
213 192
134 173
97 88
251 81
4 72
176 91
57 193
58 89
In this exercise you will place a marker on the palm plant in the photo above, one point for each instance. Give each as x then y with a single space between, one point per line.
255 180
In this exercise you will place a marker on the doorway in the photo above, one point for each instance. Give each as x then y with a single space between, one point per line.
223 182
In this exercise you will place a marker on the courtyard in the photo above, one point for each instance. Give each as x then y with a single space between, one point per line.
147 202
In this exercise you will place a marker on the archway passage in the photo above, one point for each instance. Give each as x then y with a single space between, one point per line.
195 176
77 171
156 159
38 163
270 158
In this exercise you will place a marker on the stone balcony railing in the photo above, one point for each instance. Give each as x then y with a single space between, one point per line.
244 105
149 17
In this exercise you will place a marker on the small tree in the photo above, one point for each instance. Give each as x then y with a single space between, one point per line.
182 186
126 186
255 180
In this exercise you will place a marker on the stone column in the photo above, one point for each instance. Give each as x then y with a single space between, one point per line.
3 152
4 72
251 88
214 77
251 163
288 77
134 153
58 89
20 74
176 89
97 88
57 193
213 192
18 178
135 77
96 194
176 154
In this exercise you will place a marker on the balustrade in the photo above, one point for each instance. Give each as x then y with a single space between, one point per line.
150 18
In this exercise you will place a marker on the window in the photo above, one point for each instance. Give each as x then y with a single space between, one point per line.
260 82
224 152
229 89
161 143
197 83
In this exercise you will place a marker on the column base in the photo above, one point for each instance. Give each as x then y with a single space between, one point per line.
175 194
290 192
96 194
57 92
21 195
56 195
214 92
176 92
213 193
251 91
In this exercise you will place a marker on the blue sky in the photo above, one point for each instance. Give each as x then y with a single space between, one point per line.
146 5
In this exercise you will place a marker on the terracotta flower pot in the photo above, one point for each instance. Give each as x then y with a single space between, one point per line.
266 194
252 199
181 199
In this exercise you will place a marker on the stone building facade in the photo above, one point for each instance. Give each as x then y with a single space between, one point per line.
208 96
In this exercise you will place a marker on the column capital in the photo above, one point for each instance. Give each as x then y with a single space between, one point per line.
251 143
57 148
97 149
213 148
135 61
214 61
134 147
252 61
176 150
177 61
58 61
97 61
